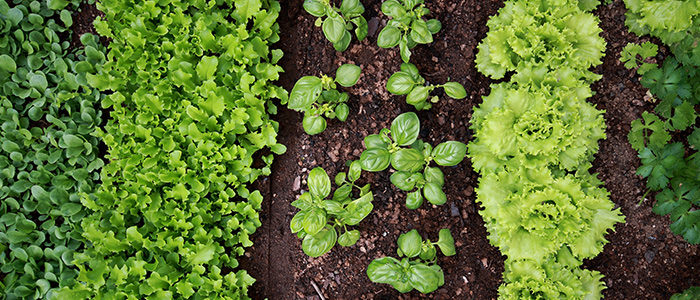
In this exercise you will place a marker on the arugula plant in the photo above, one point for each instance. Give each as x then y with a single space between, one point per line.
318 97
409 82
337 22
411 158
417 267
320 218
407 27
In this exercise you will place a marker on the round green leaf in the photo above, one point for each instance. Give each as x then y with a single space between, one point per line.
446 242
402 181
355 170
358 209
449 153
455 90
342 194
319 183
344 42
420 33
351 8
38 81
349 238
384 270
315 8
393 8
362 27
7 63
389 37
334 28
434 175
405 49
314 221
347 75
374 141
408 160
405 128
332 207
15 15
320 243
342 111
313 124
72 141
417 95
434 194
412 70
423 278
400 83
414 200
305 92
375 159
428 252
433 26
297 223
410 243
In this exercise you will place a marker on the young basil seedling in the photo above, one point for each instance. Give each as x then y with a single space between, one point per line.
410 157
318 97
407 27
409 82
422 273
338 21
320 219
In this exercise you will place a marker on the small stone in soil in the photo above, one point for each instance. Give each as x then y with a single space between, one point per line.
454 211
649 255
297 184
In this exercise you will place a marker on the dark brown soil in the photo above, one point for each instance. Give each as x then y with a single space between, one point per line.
644 260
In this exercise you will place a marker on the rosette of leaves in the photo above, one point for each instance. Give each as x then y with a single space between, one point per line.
417 268
190 130
410 83
318 97
48 151
320 219
337 22
407 27
411 158
541 38
518 125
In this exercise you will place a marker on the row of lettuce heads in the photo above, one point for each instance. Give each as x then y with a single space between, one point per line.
188 87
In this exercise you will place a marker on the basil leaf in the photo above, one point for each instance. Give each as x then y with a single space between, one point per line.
375 160
389 37
351 8
315 8
342 111
357 210
414 199
355 171
393 8
449 153
362 27
347 75
349 238
305 92
423 278
334 28
313 124
402 181
320 243
446 242
434 175
410 243
409 160
400 83
420 32
434 194
314 220
384 270
418 95
405 128
455 90
375 141
319 183
433 26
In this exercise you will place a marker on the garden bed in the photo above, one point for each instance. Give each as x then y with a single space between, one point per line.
643 260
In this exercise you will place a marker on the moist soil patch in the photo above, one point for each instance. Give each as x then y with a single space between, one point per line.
643 260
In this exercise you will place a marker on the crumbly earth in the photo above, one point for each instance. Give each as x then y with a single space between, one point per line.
643 260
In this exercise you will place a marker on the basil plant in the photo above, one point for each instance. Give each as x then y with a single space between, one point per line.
317 97
417 269
338 21
320 219
411 158
407 28
409 82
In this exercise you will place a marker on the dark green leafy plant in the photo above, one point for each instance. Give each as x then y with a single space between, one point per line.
417 269
338 21
689 294
409 82
407 28
318 97
48 151
320 219
411 158
635 56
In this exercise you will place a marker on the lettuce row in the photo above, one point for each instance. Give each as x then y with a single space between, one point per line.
189 132
535 137
48 153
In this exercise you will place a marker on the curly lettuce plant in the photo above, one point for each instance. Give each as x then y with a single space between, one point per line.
319 219
317 97
409 82
418 268
407 27
338 21
411 158
49 153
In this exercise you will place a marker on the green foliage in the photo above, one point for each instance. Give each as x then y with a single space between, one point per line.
417 269
192 89
319 219
338 21
409 82
411 158
407 28
319 98
689 294
535 138
635 56
48 151
670 168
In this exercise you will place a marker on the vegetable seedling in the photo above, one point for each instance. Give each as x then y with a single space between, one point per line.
320 219
409 82
337 22
411 158
318 97
407 28
417 269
